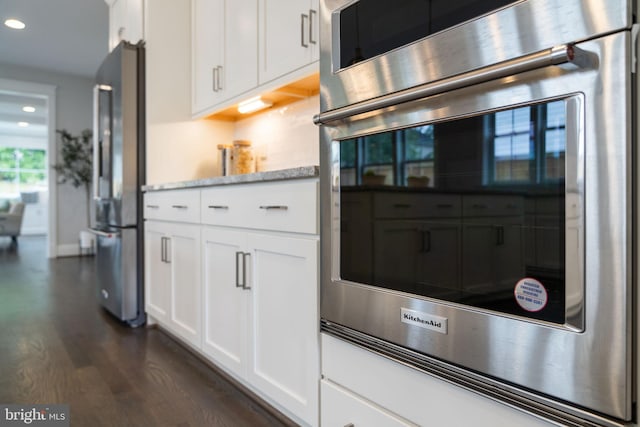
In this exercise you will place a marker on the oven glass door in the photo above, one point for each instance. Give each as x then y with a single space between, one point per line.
371 28
471 211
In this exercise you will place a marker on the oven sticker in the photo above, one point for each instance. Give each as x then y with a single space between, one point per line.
424 320
530 294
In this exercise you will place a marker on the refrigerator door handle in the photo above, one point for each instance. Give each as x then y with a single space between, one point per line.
99 134
107 234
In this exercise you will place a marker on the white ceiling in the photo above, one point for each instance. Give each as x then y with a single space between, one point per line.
68 36
63 36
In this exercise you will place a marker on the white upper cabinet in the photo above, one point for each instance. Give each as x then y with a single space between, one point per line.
224 46
243 48
126 21
288 36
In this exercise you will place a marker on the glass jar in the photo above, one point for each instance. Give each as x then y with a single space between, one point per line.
242 157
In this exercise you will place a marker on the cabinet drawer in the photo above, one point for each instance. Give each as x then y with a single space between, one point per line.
492 205
342 408
283 206
175 205
416 205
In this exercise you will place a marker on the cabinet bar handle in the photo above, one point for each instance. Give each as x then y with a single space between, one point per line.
214 71
311 13
238 256
244 270
350 425
164 249
444 206
401 205
180 206
303 17
426 241
499 235
153 206
218 78
279 207
218 207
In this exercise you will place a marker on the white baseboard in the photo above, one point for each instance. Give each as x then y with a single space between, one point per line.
72 249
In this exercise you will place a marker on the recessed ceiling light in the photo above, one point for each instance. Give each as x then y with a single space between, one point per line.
15 24
28 109
23 124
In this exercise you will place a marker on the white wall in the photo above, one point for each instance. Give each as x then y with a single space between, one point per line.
178 149
74 106
284 137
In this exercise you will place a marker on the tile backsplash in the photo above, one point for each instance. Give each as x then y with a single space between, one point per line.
283 137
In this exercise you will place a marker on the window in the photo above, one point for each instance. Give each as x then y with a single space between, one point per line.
22 170
400 157
528 144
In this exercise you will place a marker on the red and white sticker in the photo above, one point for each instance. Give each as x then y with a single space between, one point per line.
530 294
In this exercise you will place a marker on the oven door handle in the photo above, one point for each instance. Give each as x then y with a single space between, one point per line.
555 56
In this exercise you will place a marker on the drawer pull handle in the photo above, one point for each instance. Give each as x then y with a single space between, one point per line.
180 206
279 207
478 206
153 206
401 205
444 206
218 207
350 425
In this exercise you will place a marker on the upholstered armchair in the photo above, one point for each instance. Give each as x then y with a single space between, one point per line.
11 221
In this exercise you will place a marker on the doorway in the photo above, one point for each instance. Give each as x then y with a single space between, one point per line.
27 151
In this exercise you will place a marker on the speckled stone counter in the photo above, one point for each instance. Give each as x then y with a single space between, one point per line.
278 175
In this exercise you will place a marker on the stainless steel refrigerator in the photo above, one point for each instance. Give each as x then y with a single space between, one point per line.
118 174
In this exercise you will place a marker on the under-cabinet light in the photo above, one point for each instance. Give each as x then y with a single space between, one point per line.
29 109
23 124
253 104
15 24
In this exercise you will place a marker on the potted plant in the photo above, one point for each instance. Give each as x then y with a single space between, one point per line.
76 165
371 178
418 181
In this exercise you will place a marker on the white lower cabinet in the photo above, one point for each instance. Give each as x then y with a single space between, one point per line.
172 277
261 313
232 270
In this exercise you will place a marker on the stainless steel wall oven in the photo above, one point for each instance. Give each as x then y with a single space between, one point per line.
477 175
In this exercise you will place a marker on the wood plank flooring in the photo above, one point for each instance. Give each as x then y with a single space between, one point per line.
58 346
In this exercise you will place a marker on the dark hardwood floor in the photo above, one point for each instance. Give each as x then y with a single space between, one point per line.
58 347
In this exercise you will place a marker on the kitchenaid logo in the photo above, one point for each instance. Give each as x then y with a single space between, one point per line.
36 415
424 320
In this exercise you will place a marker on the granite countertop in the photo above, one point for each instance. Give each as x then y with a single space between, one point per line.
277 175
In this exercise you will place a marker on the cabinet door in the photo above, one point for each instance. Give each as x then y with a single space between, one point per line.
509 253
342 408
478 242
288 36
397 253
207 51
225 301
184 249
239 72
439 266
157 273
284 326
117 14
125 22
